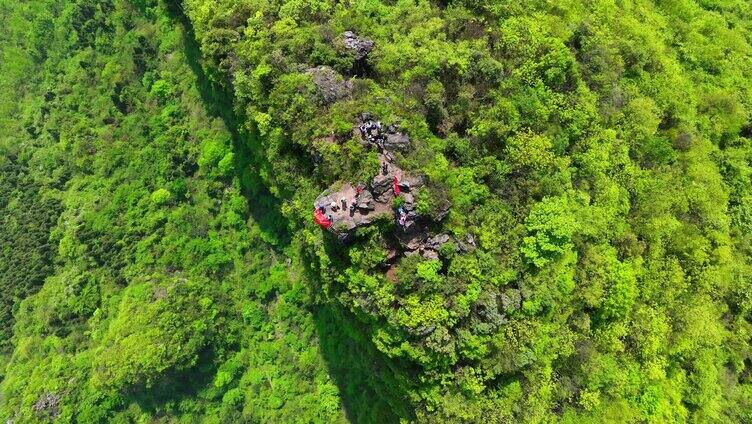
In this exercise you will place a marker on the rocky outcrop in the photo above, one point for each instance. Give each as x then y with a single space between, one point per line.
330 85
395 141
359 46
430 249
364 201
349 207
467 244
47 406
412 238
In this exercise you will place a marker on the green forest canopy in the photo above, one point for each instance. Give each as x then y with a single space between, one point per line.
160 160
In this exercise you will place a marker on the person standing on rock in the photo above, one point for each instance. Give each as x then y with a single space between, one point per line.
395 186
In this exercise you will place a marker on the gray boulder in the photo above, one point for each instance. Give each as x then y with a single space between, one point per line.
330 85
47 406
435 242
364 201
386 138
360 46
467 244
396 141
381 185
412 237
430 248
441 212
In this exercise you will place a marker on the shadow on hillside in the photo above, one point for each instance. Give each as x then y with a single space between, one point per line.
218 101
370 385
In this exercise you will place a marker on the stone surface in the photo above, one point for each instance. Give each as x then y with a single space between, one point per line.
430 248
47 406
381 185
435 242
364 201
330 85
467 244
360 46
441 212
396 141
375 201
413 237
345 219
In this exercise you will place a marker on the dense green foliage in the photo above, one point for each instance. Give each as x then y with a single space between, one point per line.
166 298
26 256
160 160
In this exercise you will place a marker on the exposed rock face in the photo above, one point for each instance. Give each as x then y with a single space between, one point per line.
396 141
360 46
467 244
349 208
330 85
430 249
364 201
413 237
47 406
344 216
380 186
442 212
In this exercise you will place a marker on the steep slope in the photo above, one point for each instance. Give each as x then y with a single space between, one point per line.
163 296
596 152
567 238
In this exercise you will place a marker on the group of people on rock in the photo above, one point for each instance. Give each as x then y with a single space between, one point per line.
374 132
325 220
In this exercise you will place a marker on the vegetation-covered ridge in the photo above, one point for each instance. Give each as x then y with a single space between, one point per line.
124 183
584 172
597 151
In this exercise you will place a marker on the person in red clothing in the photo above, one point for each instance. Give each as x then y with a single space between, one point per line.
321 219
395 186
